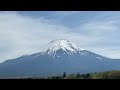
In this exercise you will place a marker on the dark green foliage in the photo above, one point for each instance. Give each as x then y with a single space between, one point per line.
78 76
100 75
114 75
64 74
72 76
87 76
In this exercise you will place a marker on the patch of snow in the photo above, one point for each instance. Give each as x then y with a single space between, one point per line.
99 58
58 56
65 45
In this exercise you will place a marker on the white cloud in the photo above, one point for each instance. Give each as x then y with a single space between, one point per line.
106 51
23 35
65 13
98 28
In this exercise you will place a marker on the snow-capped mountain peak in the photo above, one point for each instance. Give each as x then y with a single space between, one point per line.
58 57
61 44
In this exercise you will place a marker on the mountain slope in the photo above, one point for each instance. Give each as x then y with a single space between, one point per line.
58 56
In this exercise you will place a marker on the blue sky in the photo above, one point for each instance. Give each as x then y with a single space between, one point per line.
25 32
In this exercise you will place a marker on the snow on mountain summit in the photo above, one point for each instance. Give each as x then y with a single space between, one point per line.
61 44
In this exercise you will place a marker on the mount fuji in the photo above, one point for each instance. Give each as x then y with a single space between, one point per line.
57 57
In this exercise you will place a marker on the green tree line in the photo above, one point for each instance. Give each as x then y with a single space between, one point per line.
98 75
